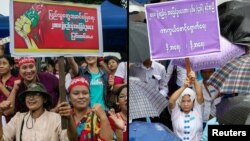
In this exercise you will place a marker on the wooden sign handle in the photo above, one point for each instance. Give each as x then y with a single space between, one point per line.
188 65
62 88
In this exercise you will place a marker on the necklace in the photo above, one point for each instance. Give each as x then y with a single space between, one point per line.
31 122
82 118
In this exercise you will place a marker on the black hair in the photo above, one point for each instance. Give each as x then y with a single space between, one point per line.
116 95
2 47
9 59
207 69
48 103
80 60
118 91
108 58
51 62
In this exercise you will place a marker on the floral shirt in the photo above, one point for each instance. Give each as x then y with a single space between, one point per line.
84 128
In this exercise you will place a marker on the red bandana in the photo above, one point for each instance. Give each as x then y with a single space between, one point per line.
26 60
78 81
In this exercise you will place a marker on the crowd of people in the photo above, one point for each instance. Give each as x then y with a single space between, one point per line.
192 101
30 106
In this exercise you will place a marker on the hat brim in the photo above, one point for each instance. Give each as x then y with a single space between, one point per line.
22 96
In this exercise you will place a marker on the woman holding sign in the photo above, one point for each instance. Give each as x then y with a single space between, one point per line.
186 110
96 77
92 123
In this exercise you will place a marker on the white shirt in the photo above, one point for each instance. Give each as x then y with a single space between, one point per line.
181 74
68 80
121 71
45 128
154 75
208 100
213 108
187 126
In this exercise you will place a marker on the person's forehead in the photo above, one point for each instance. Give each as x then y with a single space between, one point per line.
4 59
112 60
123 91
186 96
80 87
28 64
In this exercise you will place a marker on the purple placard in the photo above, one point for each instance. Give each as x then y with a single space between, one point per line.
214 60
181 29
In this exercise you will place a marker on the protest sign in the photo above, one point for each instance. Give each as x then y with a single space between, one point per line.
44 28
181 29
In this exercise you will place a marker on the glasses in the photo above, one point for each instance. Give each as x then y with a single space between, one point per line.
123 96
33 95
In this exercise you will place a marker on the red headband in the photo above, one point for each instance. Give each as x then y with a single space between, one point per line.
78 81
26 60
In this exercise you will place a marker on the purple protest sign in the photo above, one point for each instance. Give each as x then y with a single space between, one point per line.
181 29
213 60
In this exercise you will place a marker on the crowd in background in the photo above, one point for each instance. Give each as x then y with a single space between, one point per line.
192 101
30 106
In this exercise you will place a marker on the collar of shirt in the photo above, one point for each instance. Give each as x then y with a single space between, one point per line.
42 116
142 66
